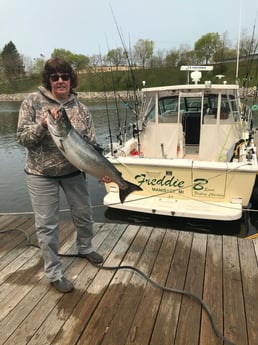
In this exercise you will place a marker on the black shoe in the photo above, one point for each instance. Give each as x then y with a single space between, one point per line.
93 257
63 285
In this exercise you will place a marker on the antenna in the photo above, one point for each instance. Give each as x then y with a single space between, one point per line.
239 37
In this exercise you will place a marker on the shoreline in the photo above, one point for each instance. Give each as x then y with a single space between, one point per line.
96 96
19 97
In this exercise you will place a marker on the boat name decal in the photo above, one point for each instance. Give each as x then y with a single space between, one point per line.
163 181
172 181
199 183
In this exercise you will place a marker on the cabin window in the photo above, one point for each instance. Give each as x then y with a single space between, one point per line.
228 107
168 108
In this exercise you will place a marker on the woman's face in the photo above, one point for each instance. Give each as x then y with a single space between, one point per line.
60 85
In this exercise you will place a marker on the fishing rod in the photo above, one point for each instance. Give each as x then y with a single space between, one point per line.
126 117
250 58
121 98
108 117
135 86
119 136
136 130
246 80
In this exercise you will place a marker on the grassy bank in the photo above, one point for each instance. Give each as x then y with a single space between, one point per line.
128 80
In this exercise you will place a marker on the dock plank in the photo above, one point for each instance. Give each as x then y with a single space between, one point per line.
190 311
40 320
165 328
100 322
86 309
212 294
248 266
119 327
139 331
234 313
120 307
12 233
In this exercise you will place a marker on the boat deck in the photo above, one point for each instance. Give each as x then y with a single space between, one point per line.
112 307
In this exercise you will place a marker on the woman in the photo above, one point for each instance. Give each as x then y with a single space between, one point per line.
47 170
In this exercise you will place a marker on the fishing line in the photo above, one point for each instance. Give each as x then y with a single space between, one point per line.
144 276
119 136
108 117
121 98
250 59
135 86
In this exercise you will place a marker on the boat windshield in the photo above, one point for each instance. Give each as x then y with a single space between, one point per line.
170 107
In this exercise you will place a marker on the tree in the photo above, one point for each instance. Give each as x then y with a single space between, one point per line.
78 61
247 45
12 62
96 60
143 51
172 58
38 65
116 57
207 47
157 60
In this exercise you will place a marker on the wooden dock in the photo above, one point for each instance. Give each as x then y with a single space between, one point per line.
110 307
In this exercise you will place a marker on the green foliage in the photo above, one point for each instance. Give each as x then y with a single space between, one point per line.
26 84
143 51
38 66
207 47
116 57
12 63
122 80
78 61
155 70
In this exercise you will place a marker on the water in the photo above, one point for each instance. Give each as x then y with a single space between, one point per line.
15 198
14 195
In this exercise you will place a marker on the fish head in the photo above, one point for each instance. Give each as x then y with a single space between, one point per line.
60 124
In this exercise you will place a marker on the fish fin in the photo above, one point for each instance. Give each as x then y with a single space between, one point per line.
123 193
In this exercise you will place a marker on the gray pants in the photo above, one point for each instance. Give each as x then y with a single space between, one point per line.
45 196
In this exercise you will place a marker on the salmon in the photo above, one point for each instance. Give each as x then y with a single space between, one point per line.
83 155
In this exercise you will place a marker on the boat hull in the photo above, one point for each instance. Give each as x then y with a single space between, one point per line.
184 187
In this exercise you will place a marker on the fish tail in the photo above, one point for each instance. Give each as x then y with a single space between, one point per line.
131 187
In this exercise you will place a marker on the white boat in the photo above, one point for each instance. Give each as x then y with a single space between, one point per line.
192 152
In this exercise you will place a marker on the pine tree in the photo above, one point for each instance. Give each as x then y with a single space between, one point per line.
12 62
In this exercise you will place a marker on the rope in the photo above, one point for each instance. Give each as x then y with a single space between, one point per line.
148 279
128 201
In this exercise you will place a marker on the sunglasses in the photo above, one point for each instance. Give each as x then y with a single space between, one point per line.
63 76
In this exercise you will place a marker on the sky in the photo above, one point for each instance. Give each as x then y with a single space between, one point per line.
92 27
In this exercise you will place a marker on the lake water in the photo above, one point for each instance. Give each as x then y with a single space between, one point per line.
15 198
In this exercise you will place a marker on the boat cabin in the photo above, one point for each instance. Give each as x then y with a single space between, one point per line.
193 121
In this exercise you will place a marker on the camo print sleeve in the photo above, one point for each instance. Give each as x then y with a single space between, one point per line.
29 130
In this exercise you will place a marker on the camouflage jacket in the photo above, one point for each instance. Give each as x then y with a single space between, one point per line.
42 156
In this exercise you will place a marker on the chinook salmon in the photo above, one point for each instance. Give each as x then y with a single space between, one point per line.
83 155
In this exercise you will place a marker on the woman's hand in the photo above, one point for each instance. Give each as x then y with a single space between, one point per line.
105 179
44 120
54 113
